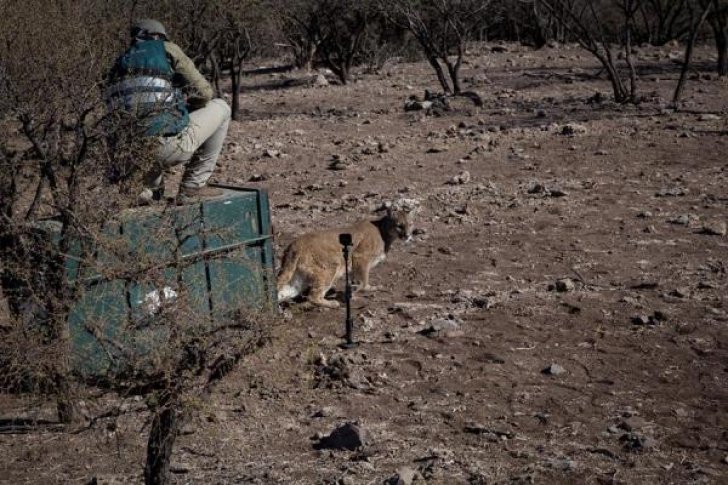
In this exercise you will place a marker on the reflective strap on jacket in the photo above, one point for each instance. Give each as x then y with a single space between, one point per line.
142 93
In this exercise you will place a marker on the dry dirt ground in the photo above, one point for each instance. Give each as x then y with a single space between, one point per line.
449 379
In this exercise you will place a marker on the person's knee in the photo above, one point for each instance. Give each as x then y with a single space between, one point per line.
223 107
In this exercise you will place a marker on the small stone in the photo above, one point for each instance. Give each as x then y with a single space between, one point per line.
404 476
554 370
270 153
715 229
536 188
258 177
346 437
641 320
601 152
415 105
671 192
636 442
709 117
565 285
436 149
632 423
681 220
324 412
460 179
443 327
180 468
572 129
644 214
320 80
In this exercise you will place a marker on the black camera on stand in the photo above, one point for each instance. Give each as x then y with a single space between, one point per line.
346 243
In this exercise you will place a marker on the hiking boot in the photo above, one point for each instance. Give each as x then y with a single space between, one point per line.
150 195
188 195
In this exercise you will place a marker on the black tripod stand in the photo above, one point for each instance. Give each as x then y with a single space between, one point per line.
345 241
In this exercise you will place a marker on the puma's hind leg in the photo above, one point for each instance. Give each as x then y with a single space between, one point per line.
319 287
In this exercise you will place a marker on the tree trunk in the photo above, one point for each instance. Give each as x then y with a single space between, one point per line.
689 55
66 405
440 74
58 308
721 43
236 74
165 427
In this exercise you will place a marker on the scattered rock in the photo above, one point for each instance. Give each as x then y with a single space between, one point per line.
681 220
632 423
682 292
709 117
644 214
565 285
320 80
499 433
270 153
179 468
636 442
349 436
258 177
416 105
554 370
404 476
717 228
443 327
654 319
573 129
338 163
671 192
537 188
324 412
641 320
436 149
460 179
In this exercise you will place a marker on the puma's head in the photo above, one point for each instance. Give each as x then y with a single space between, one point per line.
397 222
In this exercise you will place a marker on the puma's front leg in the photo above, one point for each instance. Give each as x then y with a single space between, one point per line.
360 275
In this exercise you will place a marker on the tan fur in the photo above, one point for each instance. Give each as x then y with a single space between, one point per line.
315 261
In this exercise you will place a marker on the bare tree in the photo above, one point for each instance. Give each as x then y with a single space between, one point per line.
332 31
442 28
664 20
595 27
698 14
299 23
718 20
62 254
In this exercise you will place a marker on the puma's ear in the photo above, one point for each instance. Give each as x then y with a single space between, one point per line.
386 206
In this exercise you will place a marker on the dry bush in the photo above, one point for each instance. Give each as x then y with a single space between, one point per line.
335 32
442 29
96 299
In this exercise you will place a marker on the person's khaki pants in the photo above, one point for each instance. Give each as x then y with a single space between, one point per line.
198 146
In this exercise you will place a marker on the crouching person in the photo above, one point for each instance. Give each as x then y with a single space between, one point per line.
156 84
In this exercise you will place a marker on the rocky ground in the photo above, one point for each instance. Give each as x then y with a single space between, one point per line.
560 316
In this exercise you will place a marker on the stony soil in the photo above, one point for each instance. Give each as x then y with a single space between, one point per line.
560 316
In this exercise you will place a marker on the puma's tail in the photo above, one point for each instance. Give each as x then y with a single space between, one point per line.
285 275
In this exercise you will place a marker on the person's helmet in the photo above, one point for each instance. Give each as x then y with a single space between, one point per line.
144 27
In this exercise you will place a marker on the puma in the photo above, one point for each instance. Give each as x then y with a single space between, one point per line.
314 262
